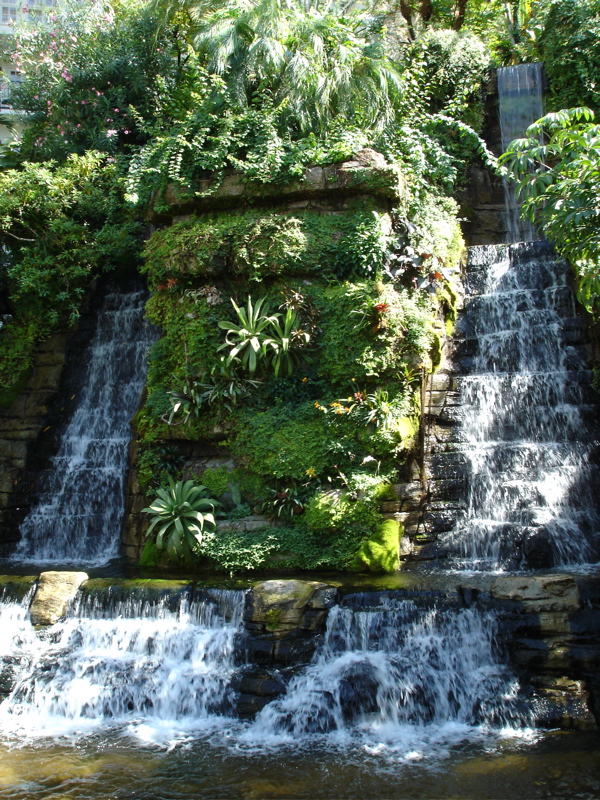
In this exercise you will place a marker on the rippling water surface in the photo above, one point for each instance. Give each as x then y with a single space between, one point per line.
558 765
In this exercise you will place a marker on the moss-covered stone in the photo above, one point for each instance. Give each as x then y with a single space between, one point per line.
282 605
380 553
366 172
436 351
262 244
15 587
142 584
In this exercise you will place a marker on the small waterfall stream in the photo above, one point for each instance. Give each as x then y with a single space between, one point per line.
78 514
397 672
528 430
138 663
521 103
528 433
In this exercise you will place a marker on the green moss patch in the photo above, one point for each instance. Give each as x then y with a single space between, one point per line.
380 552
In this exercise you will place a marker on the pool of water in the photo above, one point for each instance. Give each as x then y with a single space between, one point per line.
109 766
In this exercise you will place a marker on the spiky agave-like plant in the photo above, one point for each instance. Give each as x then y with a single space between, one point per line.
180 513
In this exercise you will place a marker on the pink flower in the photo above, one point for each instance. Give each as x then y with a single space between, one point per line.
116 110
111 132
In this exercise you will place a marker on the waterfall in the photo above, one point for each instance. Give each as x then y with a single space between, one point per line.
397 672
145 665
80 501
159 667
528 416
520 104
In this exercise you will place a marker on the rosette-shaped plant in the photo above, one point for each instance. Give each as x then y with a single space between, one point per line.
180 515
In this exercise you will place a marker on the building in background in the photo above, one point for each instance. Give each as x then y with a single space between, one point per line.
11 11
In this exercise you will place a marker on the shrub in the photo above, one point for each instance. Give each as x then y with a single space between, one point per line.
259 245
282 441
331 511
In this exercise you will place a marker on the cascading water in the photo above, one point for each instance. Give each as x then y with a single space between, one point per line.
527 433
79 508
391 673
398 675
18 637
521 103
148 667
528 428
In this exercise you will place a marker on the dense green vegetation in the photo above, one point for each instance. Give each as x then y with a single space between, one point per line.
557 168
294 337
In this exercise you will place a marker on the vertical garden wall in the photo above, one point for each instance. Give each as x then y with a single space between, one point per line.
304 436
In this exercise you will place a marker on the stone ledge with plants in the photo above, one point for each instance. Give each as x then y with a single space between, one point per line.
283 396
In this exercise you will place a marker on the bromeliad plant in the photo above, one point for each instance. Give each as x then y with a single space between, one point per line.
180 514
283 339
266 338
286 501
371 408
247 339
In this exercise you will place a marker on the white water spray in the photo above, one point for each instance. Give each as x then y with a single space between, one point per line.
79 512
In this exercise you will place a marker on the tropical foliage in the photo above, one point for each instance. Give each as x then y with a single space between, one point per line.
180 513
260 337
557 169
60 224
317 62
311 389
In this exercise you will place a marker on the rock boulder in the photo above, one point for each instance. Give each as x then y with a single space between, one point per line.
54 592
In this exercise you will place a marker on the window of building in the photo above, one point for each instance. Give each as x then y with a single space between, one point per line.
14 76
9 11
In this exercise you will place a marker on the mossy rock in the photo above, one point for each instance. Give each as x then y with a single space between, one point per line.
132 584
380 552
15 587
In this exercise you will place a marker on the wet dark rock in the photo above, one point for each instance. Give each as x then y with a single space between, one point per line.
468 595
562 703
255 688
358 691
538 551
296 648
9 666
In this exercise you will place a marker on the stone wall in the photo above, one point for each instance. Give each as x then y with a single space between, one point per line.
482 202
20 426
